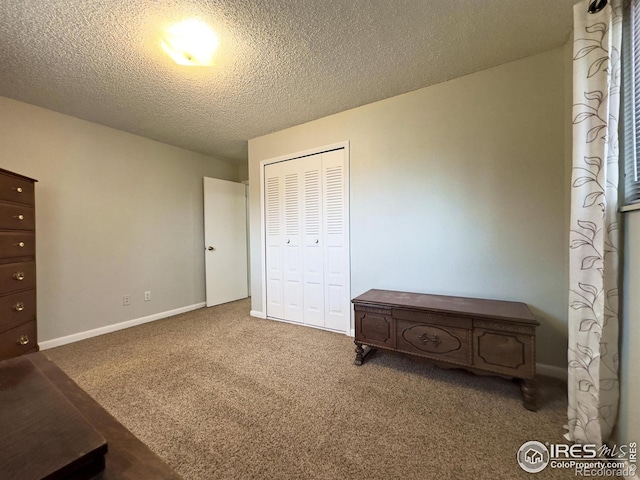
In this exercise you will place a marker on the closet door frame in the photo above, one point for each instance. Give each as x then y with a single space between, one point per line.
348 329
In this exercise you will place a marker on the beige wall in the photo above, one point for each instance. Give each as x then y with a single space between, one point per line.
116 214
458 188
628 429
243 172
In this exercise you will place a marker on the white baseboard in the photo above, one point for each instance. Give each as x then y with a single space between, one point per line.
255 313
551 371
76 337
352 333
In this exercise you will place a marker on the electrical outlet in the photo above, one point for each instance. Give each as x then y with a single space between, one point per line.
126 300
147 296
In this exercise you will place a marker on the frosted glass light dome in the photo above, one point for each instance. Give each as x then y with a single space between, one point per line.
190 42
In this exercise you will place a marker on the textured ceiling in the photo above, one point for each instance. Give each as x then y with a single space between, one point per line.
280 62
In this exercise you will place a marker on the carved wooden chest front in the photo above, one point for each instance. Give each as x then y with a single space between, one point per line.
483 336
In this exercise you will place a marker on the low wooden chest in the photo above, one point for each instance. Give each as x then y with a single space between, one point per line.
484 336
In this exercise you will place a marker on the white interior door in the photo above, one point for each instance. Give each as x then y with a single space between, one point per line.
225 237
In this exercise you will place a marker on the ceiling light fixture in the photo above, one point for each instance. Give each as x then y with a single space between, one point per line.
191 43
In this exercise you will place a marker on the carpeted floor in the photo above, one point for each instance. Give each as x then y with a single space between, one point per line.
221 395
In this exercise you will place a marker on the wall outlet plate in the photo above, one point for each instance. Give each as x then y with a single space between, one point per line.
147 296
126 300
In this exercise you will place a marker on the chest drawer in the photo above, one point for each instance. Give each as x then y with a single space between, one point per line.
16 190
17 244
18 340
17 217
434 341
17 276
17 308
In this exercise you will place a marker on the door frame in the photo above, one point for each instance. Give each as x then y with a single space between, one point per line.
347 203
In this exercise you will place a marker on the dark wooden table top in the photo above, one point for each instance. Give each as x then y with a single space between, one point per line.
514 311
127 457
42 434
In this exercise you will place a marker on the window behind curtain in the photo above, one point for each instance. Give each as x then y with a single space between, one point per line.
631 103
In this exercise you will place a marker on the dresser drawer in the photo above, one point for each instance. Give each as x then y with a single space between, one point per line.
434 341
17 244
17 308
18 340
16 190
17 276
17 217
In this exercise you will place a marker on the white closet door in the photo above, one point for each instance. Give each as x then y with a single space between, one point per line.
293 296
306 225
274 229
336 267
313 242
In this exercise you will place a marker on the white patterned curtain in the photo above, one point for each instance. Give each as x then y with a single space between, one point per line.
593 296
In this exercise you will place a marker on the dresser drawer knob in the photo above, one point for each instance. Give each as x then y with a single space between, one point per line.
20 244
19 217
18 307
18 276
19 189
23 340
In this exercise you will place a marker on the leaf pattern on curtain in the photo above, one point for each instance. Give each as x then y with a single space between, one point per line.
593 292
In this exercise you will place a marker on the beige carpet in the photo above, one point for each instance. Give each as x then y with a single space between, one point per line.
221 395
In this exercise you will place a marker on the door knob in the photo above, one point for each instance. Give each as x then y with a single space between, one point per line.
210 248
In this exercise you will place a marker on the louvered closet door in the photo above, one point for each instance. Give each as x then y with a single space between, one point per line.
306 241
283 192
274 230
292 267
336 266
313 242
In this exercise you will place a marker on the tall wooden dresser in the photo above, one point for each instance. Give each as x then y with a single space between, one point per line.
18 331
